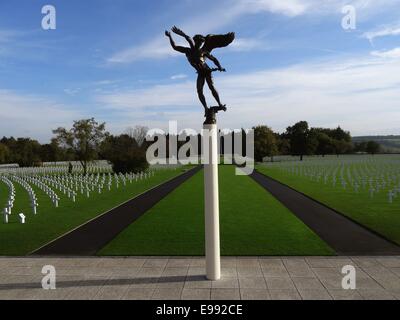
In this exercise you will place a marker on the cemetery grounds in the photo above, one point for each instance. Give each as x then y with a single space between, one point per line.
63 202
252 221
365 188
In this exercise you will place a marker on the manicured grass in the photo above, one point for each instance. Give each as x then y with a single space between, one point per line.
3 197
252 223
51 222
375 213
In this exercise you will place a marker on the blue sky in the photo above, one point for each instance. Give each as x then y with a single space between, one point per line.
291 61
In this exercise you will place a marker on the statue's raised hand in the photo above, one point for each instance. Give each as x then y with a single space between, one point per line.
178 31
167 33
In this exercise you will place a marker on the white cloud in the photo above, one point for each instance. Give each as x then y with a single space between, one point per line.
171 95
155 49
105 82
223 13
7 35
288 7
179 76
393 30
218 16
159 48
248 44
72 92
33 116
359 94
391 54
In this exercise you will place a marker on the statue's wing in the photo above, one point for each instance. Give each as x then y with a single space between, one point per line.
213 41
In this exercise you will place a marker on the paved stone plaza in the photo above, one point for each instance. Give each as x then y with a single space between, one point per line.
183 278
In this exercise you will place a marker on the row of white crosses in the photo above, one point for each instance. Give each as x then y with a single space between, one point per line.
11 198
131 177
32 196
97 182
7 211
68 184
100 166
360 174
45 188
57 183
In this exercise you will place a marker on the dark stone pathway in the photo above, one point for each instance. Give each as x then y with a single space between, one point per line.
92 236
345 236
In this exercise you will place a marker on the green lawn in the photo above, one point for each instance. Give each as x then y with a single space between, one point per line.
51 222
252 223
3 197
375 213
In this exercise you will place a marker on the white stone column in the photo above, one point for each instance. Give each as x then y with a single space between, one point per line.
211 199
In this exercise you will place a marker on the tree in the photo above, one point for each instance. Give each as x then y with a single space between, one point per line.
342 147
138 133
124 153
51 152
265 144
283 144
4 153
24 151
312 142
373 147
83 139
325 144
301 142
360 146
339 134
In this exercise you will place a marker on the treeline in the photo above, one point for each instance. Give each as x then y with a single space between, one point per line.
28 152
88 140
85 141
300 140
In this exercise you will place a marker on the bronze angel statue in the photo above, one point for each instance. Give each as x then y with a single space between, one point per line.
200 49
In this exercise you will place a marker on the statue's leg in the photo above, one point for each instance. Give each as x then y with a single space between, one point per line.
200 86
214 91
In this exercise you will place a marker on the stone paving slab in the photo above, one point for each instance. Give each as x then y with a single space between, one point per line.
176 278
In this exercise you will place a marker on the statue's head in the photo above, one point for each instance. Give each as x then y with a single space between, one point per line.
198 40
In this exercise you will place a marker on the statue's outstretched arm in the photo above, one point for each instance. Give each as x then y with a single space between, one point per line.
182 34
173 45
215 60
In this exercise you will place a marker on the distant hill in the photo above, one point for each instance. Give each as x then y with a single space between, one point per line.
388 143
